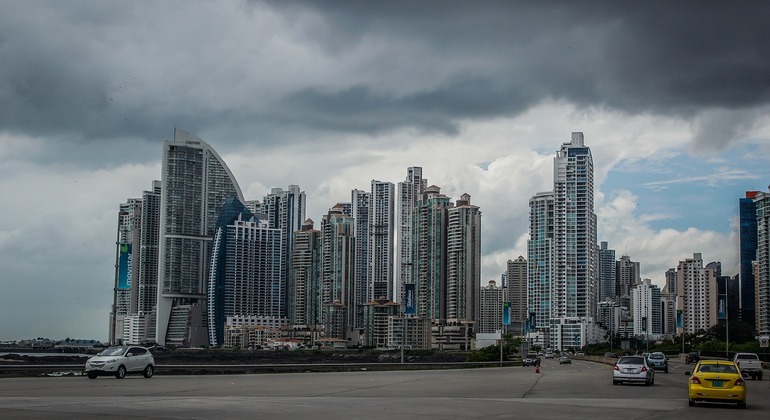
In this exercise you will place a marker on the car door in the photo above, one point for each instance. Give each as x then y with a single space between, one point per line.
135 361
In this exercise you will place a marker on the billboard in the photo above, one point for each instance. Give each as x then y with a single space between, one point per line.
125 263
721 307
409 304
506 313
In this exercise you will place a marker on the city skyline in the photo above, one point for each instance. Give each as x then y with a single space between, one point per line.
478 96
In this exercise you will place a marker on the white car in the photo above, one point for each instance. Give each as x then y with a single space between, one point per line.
121 360
633 369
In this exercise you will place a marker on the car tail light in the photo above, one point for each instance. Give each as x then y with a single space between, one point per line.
616 368
740 382
694 380
644 368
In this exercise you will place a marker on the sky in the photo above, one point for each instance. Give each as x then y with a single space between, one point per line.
672 98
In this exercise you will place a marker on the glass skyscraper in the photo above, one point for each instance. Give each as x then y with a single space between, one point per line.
195 183
747 230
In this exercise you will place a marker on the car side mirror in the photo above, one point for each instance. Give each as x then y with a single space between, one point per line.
129 354
687 372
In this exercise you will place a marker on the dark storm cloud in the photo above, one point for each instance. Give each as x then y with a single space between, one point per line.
658 57
432 64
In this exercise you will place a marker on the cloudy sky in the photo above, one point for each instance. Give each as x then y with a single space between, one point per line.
673 99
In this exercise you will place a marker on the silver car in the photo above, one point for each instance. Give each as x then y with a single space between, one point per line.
121 360
633 369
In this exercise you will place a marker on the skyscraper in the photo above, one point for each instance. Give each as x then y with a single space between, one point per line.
607 276
381 239
697 287
490 308
573 260
245 275
362 288
463 260
747 248
516 277
540 261
338 262
574 231
429 253
628 273
409 192
125 288
306 304
762 264
646 310
285 210
195 183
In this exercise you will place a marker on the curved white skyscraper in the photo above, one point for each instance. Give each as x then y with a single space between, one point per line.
195 183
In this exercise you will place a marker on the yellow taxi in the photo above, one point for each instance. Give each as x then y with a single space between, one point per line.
717 381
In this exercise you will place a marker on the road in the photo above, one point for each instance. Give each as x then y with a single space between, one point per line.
582 390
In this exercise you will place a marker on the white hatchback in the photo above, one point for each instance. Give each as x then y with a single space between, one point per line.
121 360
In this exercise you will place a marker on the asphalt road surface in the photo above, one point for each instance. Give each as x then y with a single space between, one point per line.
582 390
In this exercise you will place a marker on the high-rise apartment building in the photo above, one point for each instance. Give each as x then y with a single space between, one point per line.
195 183
125 289
697 287
337 271
429 253
540 261
409 193
463 260
306 306
646 310
245 275
670 286
762 265
747 248
490 308
573 261
285 210
628 275
362 288
147 293
516 289
607 273
381 239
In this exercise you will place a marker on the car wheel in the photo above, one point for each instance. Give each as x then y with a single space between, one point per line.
691 403
92 375
759 377
615 382
121 372
742 404
148 371
666 371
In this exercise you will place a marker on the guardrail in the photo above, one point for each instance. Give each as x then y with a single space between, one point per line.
204 369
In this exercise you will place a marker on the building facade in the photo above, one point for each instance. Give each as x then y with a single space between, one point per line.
516 289
697 287
762 265
409 191
195 183
463 260
490 308
381 239
607 273
245 270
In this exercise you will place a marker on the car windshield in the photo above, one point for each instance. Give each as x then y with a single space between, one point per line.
113 351
718 368
631 360
657 356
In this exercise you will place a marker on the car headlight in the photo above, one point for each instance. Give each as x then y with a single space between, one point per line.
111 360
